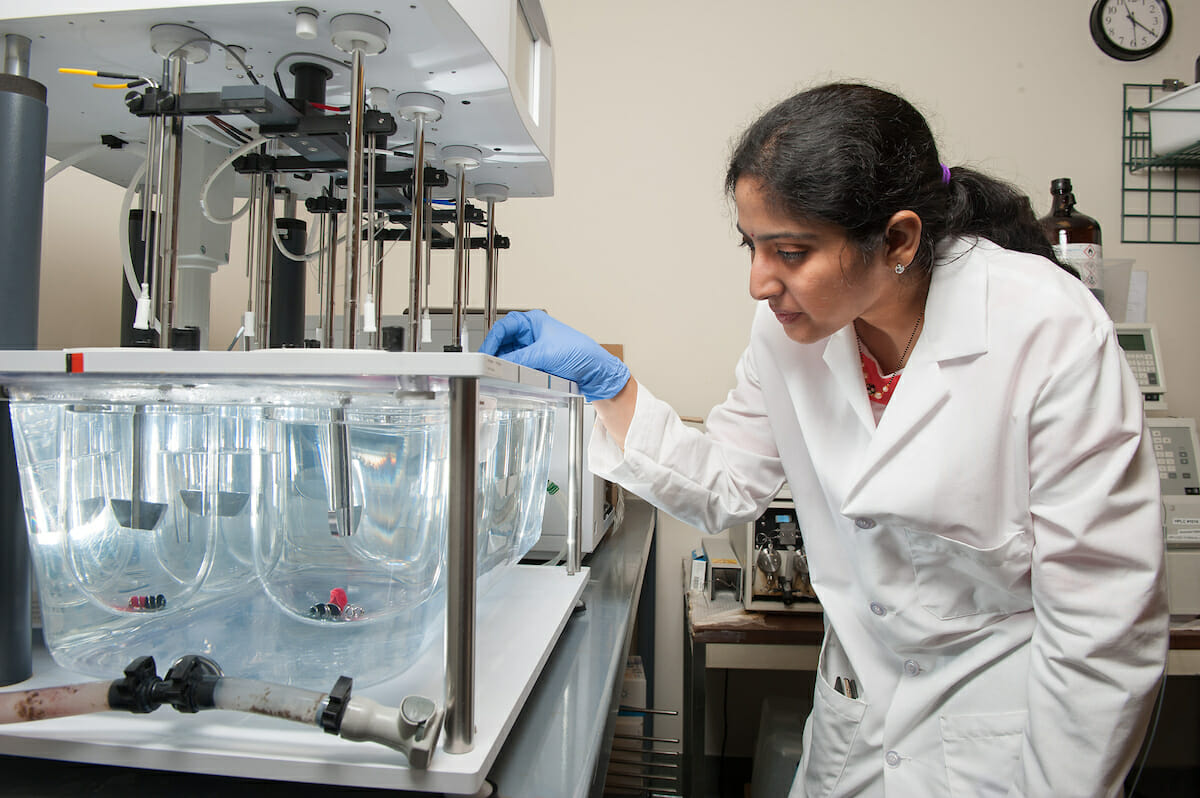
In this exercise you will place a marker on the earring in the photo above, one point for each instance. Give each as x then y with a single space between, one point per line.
900 267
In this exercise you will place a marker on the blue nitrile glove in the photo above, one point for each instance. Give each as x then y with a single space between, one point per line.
536 340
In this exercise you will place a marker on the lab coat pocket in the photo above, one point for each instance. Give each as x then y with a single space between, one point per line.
956 580
831 731
982 752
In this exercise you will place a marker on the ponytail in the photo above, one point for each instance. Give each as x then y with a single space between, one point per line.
980 205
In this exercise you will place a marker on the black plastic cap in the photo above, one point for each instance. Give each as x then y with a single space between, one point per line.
335 707
134 693
1060 185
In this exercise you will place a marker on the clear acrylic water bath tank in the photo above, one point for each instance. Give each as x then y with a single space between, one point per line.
293 528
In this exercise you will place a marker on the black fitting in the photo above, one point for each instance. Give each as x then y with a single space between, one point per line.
324 204
134 693
189 684
335 707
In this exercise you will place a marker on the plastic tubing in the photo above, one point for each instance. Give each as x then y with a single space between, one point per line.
379 225
123 232
274 700
257 141
74 158
54 702
83 155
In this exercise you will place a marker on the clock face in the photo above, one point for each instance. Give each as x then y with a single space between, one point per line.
1130 29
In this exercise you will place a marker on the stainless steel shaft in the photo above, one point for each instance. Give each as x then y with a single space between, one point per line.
460 567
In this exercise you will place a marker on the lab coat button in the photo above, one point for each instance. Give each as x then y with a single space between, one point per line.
878 609
864 523
912 667
892 759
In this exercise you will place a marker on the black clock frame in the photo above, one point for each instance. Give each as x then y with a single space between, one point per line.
1110 48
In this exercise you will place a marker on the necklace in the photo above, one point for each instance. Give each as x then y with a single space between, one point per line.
878 389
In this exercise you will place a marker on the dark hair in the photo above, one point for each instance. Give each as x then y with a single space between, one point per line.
853 155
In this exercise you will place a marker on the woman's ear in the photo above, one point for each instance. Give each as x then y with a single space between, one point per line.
903 237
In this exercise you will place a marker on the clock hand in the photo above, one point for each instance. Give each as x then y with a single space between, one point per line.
1139 25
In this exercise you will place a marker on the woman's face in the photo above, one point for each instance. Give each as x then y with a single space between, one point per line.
808 272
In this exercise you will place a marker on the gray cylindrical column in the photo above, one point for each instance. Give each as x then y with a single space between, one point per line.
462 522
22 165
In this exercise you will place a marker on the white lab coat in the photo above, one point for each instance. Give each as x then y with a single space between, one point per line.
989 557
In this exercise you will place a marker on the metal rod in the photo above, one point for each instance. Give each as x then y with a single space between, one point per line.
654 752
16 55
322 218
460 260
379 294
490 291
354 200
330 308
418 261
647 739
266 246
375 279
341 510
648 710
644 763
177 65
460 571
427 223
148 191
135 476
575 484
252 219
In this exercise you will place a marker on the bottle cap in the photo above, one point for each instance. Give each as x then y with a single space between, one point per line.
1060 185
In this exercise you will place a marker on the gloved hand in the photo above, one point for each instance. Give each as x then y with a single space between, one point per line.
536 340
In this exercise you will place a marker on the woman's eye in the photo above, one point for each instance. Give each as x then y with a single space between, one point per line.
746 244
791 254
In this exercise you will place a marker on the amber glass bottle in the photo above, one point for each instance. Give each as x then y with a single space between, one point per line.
1075 236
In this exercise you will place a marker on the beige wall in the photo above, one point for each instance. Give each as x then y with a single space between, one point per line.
636 247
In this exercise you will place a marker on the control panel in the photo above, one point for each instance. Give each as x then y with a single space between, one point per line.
1175 448
1140 344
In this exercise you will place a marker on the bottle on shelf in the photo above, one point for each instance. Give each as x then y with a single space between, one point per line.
1075 236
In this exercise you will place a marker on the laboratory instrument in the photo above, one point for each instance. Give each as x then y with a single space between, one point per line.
774 564
1175 450
311 505
1139 342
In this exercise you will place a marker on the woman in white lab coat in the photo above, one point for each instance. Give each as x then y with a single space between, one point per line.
964 444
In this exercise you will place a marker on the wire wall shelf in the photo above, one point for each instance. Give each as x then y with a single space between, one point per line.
1160 184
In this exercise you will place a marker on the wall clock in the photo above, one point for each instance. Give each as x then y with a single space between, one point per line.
1130 30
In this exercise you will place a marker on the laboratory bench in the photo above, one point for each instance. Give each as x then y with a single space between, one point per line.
558 745
719 633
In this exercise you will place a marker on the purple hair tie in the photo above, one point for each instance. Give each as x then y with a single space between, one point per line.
945 174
